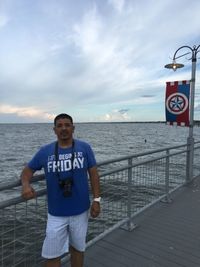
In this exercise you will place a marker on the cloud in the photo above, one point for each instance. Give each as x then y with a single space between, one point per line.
147 96
71 55
123 111
30 112
104 49
116 115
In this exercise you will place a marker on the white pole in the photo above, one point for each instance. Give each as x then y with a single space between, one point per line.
190 140
190 137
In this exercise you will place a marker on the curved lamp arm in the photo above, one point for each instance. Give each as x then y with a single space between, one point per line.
174 65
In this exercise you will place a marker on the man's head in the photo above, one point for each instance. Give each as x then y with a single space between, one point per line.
64 128
63 116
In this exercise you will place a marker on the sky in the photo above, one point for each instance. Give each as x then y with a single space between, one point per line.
97 60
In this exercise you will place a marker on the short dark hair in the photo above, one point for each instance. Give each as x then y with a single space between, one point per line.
62 116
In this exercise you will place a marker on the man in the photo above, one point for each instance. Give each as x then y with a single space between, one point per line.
66 164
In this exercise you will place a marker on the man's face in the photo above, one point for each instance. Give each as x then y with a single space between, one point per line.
64 129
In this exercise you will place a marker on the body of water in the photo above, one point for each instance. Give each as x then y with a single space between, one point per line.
19 142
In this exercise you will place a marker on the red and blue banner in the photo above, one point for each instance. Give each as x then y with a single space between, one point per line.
177 102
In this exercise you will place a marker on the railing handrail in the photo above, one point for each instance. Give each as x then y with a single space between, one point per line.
40 177
19 199
9 185
41 192
129 187
135 155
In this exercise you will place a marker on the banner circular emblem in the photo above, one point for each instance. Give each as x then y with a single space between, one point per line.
177 103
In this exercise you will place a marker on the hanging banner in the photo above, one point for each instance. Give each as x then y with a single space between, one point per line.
177 103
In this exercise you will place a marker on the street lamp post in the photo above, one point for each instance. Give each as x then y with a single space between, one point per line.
174 65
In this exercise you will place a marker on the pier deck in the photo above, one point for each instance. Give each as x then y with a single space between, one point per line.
168 235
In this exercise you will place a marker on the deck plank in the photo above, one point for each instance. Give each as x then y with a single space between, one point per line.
168 236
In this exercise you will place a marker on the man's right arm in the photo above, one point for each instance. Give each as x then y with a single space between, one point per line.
27 190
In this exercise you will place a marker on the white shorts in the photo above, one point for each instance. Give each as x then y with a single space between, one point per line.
64 231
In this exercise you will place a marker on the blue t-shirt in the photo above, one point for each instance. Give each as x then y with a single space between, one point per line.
83 159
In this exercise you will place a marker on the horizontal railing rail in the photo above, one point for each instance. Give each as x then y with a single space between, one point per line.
36 178
41 177
129 185
10 185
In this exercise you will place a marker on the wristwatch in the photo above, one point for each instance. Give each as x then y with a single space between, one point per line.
97 199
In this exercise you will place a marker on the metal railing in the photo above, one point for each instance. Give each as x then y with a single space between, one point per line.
129 185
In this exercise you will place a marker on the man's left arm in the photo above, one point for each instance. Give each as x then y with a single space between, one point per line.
95 185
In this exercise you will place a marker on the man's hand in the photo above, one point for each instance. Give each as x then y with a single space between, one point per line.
95 209
95 184
28 192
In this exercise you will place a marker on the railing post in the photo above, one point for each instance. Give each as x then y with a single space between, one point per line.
189 160
129 226
129 189
167 198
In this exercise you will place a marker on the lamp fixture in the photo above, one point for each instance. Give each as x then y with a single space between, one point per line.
174 66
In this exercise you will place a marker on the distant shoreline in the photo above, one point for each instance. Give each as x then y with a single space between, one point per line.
94 122
196 122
